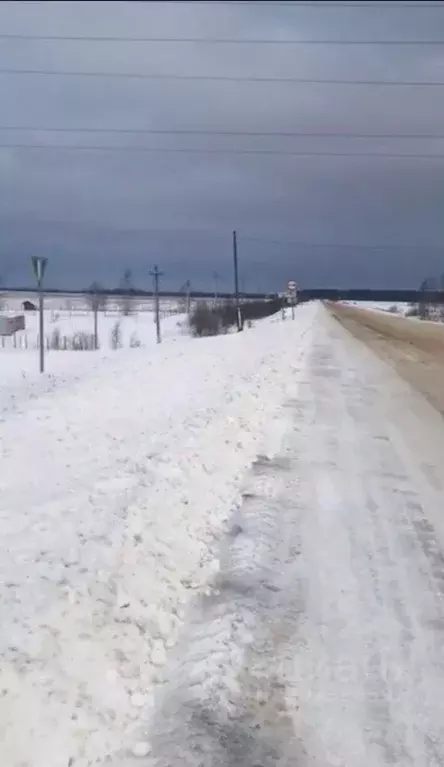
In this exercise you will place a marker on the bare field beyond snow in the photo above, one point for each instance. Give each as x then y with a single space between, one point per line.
414 348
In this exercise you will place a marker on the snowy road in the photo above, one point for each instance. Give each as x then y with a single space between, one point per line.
323 641
368 671
319 640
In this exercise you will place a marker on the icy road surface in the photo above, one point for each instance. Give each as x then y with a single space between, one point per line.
322 640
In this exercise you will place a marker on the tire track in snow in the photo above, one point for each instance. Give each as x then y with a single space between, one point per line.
223 702
368 664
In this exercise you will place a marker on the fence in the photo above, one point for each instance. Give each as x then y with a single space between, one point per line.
74 331
54 342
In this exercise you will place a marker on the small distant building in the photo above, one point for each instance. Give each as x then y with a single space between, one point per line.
28 306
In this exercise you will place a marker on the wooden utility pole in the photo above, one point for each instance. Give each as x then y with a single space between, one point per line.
188 288
236 283
96 322
39 266
95 301
155 274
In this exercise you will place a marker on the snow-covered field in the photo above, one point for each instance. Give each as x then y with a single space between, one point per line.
381 306
19 355
435 312
137 329
115 486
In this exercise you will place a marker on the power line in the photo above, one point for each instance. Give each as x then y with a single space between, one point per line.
381 6
221 78
208 40
218 151
342 245
211 132
109 227
106 227
261 3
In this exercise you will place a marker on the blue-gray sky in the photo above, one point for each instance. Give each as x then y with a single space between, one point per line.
96 213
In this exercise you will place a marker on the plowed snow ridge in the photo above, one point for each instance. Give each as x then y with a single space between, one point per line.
321 642
114 493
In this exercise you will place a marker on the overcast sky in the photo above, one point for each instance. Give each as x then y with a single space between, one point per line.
95 213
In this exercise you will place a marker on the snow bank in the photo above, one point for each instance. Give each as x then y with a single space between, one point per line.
114 493
321 643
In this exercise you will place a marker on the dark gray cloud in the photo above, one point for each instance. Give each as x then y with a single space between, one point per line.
96 213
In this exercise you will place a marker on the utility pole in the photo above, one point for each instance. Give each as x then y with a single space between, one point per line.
236 283
188 289
155 274
96 321
95 300
39 267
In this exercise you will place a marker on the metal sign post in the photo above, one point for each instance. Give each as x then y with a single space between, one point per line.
39 267
292 290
